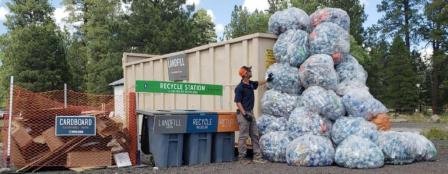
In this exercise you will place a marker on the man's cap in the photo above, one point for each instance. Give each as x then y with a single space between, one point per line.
244 69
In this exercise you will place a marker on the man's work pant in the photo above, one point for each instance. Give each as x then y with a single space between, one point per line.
248 129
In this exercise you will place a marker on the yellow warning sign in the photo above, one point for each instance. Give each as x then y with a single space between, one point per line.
269 57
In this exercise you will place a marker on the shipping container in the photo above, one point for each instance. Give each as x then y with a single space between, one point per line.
215 63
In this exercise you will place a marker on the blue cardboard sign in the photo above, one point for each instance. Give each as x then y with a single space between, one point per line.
83 125
202 123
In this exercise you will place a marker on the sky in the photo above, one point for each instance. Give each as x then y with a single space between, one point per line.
219 10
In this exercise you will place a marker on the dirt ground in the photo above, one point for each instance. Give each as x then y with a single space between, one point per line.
438 166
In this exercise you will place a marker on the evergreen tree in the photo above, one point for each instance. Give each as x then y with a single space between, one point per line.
104 44
243 22
34 50
203 27
375 67
435 31
401 91
401 17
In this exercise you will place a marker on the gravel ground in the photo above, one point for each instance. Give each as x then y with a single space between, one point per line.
439 166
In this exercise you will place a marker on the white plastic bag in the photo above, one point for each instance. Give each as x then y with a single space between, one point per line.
273 146
318 70
277 103
291 18
292 47
286 78
346 126
323 101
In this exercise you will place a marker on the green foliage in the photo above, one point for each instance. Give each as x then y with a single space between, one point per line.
401 17
401 90
436 134
375 68
358 51
243 22
33 48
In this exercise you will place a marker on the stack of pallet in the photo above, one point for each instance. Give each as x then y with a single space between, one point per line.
34 144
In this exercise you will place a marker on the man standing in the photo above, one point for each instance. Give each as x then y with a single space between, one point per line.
245 99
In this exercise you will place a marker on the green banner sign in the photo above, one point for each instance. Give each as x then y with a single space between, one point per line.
177 88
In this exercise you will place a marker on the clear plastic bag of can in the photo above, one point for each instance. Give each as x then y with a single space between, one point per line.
346 126
302 121
318 70
285 78
273 146
292 47
325 102
343 87
359 152
360 103
333 15
310 150
406 147
291 18
268 123
328 38
350 70
277 103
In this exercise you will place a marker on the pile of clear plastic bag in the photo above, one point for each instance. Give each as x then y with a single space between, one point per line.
325 102
268 123
292 47
273 146
286 78
310 150
277 103
318 70
333 15
360 103
358 152
350 70
328 38
406 147
291 18
303 121
346 126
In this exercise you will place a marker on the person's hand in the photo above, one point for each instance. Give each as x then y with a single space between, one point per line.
248 117
270 77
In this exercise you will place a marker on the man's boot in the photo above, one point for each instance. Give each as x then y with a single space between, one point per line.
258 158
243 160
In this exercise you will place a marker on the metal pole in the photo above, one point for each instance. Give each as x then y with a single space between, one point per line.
11 92
65 95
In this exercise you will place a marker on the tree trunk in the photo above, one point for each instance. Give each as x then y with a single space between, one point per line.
407 17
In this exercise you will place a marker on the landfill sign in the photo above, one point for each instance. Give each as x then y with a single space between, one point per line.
178 88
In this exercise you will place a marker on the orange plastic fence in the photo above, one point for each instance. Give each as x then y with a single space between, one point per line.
33 140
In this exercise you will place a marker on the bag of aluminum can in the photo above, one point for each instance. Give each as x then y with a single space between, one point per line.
333 15
350 70
292 47
303 121
310 150
346 126
277 103
273 146
359 152
318 70
405 147
360 103
323 101
291 18
328 38
268 123
285 78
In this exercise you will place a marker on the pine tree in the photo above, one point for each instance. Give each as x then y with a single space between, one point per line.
375 67
34 50
243 22
401 91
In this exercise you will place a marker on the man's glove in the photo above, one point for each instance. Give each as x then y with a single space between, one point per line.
248 117
270 77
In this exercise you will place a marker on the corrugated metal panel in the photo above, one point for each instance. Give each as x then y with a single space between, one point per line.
216 63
